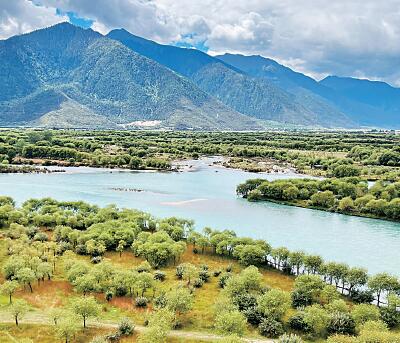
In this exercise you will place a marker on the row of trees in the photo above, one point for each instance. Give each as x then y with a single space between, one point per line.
348 195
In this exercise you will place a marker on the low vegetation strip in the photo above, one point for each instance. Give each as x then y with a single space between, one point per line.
77 262
350 195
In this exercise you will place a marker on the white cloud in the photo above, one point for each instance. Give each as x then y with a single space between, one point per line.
318 37
21 16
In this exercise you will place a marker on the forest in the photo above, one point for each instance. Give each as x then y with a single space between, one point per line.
86 273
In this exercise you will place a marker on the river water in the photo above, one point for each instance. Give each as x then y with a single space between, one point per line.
207 195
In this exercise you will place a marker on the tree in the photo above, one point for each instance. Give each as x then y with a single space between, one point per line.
85 307
296 260
8 288
274 303
382 282
121 246
230 322
312 263
18 309
67 327
26 276
179 300
144 282
189 272
356 277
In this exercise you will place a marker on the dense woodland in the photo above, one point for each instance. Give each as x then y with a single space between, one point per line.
46 241
371 155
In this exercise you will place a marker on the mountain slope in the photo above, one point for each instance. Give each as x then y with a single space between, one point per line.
235 88
307 91
383 99
364 102
102 78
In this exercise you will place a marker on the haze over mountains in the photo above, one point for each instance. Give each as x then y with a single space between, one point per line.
65 76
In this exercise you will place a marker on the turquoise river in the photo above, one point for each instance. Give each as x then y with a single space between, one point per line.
207 195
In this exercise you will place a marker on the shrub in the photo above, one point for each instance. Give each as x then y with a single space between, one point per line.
296 322
204 275
229 268
341 323
244 301
144 267
217 273
253 316
126 327
159 275
198 283
179 271
301 299
113 337
96 259
141 301
109 295
289 339
223 279
365 312
160 301
390 316
230 322
362 297
203 266
121 290
270 328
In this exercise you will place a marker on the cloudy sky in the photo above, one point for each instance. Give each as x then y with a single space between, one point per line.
358 38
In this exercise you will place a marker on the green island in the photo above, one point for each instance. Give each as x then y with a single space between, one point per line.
349 195
76 272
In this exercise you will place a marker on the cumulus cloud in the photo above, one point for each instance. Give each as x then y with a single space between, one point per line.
21 16
319 37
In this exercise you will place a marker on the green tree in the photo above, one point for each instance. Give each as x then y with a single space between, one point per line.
365 312
66 328
8 288
18 309
317 318
382 282
85 307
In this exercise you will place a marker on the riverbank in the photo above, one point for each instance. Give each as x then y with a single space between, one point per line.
25 169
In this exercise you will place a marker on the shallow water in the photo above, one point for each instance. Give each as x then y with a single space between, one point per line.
207 195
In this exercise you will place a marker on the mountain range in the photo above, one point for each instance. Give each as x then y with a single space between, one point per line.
66 76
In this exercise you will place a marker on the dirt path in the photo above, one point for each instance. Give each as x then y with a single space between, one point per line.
40 318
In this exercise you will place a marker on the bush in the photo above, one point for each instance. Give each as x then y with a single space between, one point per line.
390 316
244 301
159 275
203 266
144 267
341 323
198 283
141 301
96 259
296 322
217 273
109 295
126 327
223 279
113 337
160 301
229 268
270 328
204 275
289 339
121 290
301 299
179 271
362 297
253 316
